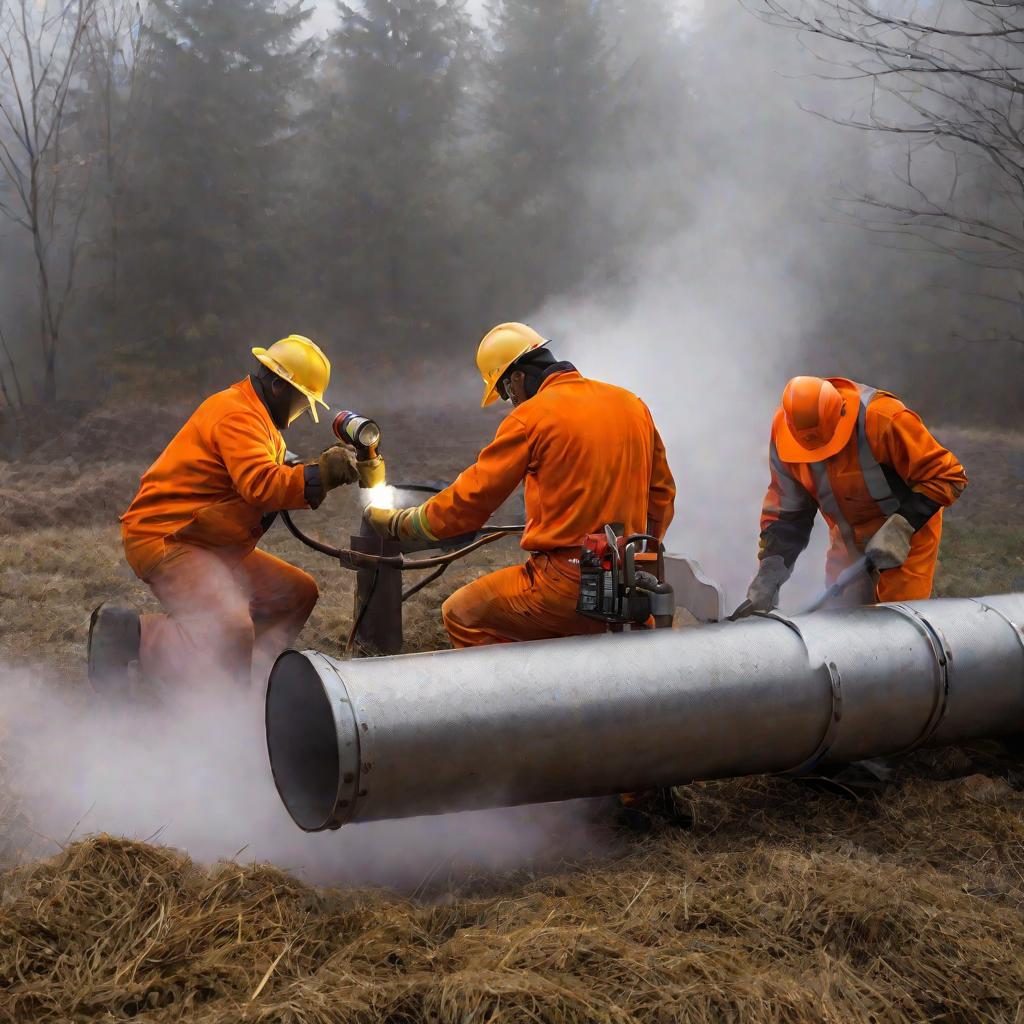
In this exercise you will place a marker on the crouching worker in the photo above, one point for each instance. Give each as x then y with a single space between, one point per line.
589 454
879 478
191 533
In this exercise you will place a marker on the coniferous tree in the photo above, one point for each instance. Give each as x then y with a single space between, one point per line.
206 197
547 106
385 121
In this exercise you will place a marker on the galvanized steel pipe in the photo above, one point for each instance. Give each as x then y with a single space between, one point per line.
558 719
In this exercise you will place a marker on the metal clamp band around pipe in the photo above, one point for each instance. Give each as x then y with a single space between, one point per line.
940 649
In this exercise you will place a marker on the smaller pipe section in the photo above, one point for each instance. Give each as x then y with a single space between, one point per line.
377 611
496 726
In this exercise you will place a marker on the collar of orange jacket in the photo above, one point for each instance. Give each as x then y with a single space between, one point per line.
249 392
565 375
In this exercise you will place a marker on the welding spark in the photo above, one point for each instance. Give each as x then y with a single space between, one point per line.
381 496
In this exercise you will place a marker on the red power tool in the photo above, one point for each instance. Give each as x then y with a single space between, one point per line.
622 580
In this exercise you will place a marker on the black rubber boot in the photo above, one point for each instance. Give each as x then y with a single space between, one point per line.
114 635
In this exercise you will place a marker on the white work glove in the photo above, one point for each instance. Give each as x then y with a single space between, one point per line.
889 547
763 592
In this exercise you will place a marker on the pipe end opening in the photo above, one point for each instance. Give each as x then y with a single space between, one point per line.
302 741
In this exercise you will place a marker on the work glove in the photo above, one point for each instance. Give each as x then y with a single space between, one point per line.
371 472
338 466
401 524
763 592
889 547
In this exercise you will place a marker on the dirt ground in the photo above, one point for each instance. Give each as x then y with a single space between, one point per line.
777 904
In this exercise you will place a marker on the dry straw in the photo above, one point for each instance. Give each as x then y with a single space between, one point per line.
779 905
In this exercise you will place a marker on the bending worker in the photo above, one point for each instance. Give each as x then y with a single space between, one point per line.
879 478
191 532
590 455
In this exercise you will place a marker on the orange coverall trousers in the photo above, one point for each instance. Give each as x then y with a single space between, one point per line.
534 601
228 612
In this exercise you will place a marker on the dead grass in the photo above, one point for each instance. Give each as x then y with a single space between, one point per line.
779 905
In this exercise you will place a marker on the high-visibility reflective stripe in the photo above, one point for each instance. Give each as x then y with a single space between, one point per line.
871 471
829 505
874 477
792 495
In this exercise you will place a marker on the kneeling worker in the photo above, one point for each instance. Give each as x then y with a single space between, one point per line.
192 529
879 478
590 455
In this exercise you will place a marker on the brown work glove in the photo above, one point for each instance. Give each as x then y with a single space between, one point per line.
890 546
338 466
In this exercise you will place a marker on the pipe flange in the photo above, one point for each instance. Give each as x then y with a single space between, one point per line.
776 616
1017 627
348 744
829 736
940 648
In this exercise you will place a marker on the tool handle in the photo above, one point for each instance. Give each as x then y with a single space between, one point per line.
745 609
849 575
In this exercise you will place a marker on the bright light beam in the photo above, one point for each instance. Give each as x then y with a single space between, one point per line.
381 496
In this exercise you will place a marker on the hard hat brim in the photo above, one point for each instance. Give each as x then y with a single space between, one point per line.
791 450
491 390
272 364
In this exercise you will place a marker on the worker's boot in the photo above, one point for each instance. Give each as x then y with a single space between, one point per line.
854 781
114 635
641 812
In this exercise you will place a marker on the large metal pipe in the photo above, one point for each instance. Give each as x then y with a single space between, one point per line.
559 719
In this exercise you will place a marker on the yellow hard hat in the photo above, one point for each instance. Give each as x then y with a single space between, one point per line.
300 362
501 347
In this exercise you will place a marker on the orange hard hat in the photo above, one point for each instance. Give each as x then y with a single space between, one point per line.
816 419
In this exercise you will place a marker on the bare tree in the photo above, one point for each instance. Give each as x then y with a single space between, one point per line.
948 78
115 45
41 46
14 374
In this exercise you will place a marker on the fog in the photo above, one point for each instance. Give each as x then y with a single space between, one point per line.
193 773
643 184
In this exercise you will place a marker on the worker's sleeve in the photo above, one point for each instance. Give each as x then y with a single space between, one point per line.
474 497
933 473
661 499
787 515
259 479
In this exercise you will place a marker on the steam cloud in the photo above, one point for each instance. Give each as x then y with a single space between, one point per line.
194 774
714 321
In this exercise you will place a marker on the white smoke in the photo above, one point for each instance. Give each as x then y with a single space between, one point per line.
720 315
194 774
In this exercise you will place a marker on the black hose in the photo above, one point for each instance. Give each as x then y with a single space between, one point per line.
432 578
350 643
358 559
324 549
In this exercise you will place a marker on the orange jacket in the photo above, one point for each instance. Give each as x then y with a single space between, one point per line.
218 477
890 464
590 455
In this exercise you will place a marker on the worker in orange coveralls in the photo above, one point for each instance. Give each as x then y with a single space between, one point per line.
192 529
590 455
879 478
